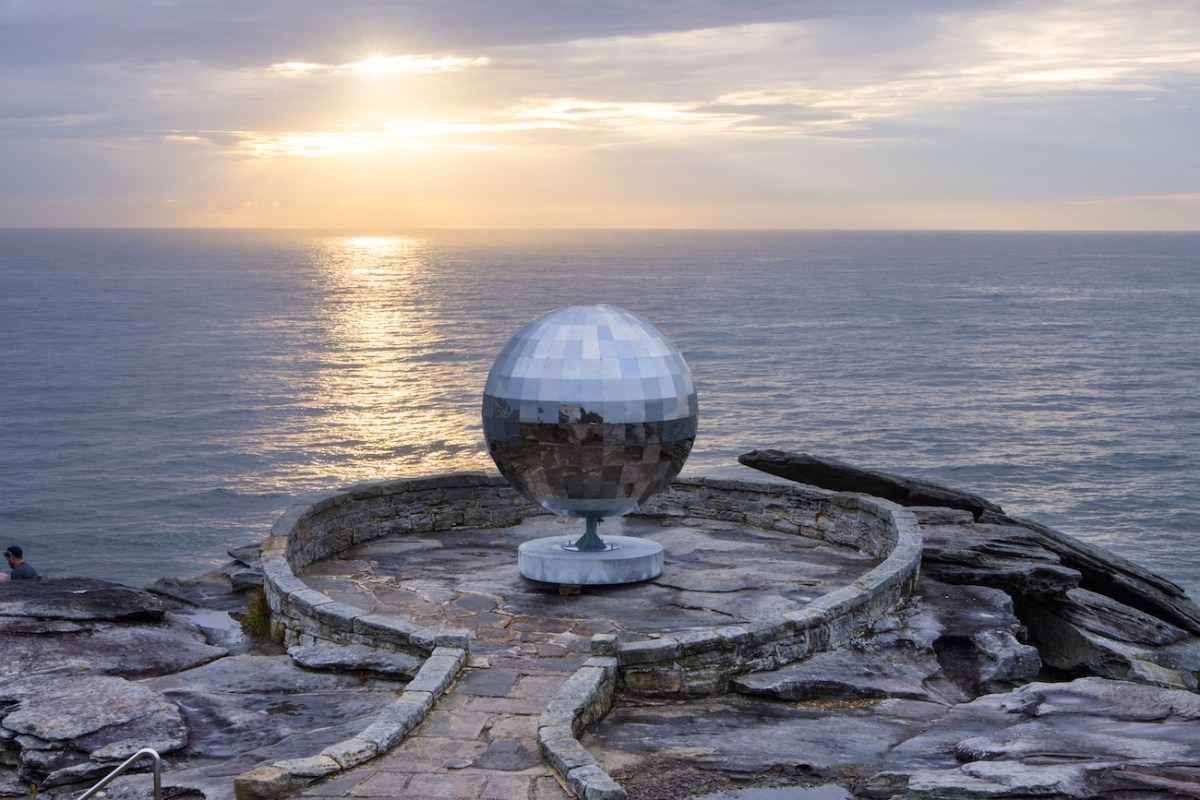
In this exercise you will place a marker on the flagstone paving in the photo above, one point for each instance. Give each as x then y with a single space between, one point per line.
479 742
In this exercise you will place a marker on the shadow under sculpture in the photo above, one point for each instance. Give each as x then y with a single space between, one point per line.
589 411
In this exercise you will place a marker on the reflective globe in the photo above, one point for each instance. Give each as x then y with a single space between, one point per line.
589 411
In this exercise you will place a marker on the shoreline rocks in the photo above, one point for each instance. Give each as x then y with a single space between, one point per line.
93 671
1088 611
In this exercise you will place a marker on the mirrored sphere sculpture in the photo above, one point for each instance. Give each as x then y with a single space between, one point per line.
589 411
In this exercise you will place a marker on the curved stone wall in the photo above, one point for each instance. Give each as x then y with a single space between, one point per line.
330 523
683 664
690 664
702 662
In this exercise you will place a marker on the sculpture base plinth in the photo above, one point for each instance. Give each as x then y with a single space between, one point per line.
634 560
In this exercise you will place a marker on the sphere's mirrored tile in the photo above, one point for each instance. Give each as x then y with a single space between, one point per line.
589 410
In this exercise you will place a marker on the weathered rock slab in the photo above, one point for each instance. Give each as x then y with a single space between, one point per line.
78 599
1086 738
66 707
328 656
1004 662
118 649
829 473
734 733
847 674
1114 576
974 633
1113 620
247 674
1003 557
76 727
1067 633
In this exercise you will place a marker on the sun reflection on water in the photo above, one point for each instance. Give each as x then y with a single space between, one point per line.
382 391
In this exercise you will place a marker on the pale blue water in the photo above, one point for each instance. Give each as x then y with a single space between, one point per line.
164 394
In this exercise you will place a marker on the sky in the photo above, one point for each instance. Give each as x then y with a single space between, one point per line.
927 114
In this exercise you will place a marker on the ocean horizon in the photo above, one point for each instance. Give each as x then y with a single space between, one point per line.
166 393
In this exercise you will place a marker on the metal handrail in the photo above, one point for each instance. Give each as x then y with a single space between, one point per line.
148 751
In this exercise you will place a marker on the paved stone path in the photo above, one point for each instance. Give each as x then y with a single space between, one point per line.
479 741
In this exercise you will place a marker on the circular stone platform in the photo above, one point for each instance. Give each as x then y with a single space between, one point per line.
714 573
630 561
755 576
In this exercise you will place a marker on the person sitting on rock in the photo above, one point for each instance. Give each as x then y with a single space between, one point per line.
21 571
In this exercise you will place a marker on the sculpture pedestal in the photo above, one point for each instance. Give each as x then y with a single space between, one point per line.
634 560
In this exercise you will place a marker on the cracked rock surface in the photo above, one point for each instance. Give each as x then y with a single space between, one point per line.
92 672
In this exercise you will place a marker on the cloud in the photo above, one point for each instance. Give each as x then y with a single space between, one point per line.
381 65
880 101
233 34
1179 197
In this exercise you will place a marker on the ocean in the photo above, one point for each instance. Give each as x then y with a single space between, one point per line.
165 394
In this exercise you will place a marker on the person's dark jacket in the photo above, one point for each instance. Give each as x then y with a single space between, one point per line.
23 572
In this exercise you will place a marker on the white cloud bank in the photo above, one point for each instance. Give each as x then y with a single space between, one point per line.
869 114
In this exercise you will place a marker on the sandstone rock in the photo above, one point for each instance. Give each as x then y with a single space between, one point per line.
964 610
26 626
265 783
211 591
355 658
940 515
247 555
119 649
67 708
1109 574
1005 662
77 727
980 780
976 639
223 726
1080 739
1106 617
1101 697
242 577
838 476
246 674
1146 780
1067 638
1003 557
847 674
740 734
61 768
78 599
229 734
245 571
1097 569
1076 630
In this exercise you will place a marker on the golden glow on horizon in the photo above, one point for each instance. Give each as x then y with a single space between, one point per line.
808 122
565 114
305 145
1017 53
1180 197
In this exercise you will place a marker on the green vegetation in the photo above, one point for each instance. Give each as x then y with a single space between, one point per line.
256 621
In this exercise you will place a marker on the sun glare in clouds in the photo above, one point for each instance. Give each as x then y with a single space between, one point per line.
395 65
380 65
770 88
784 112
